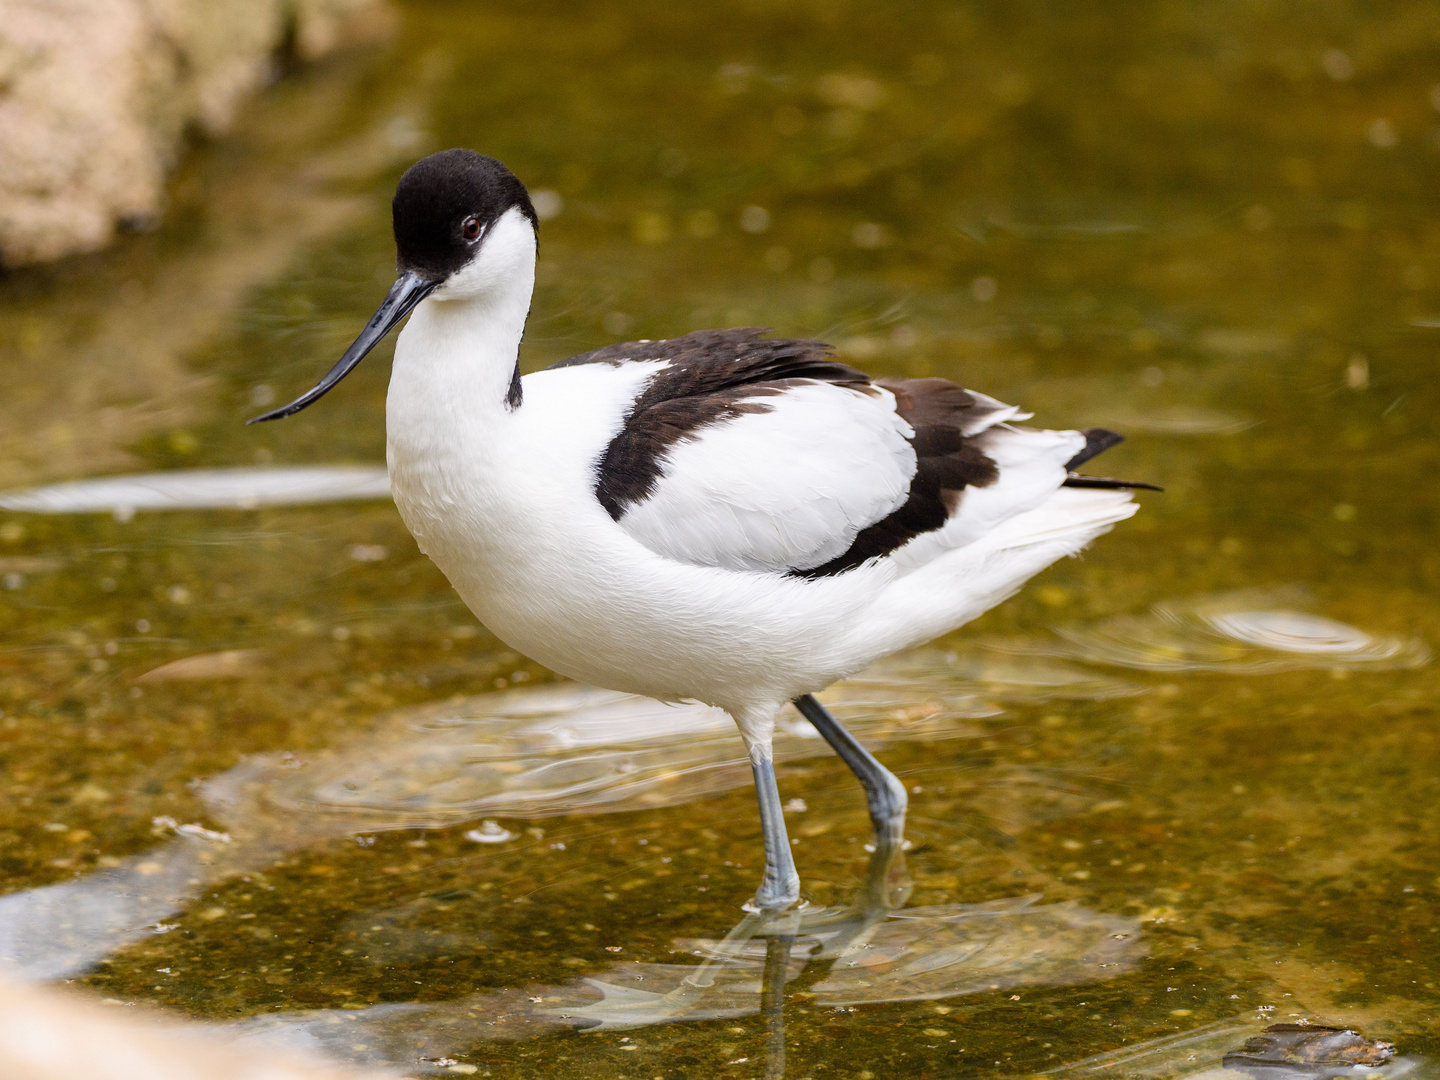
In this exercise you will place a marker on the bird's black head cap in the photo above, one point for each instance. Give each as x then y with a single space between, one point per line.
445 204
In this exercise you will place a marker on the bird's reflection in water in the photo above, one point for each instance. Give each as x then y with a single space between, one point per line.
752 965
870 951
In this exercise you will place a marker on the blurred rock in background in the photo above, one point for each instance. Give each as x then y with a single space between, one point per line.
50 1035
97 95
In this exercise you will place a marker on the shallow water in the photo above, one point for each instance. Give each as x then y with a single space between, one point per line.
262 768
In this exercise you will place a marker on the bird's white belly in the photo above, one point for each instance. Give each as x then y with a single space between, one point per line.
568 588
516 528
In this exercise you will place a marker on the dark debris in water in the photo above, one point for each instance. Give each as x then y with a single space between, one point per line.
1309 1046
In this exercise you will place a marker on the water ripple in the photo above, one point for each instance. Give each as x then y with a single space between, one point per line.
913 954
576 749
1241 633
204 489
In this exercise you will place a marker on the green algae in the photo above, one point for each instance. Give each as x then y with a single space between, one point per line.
1189 222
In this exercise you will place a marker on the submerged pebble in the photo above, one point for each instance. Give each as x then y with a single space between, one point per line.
490 832
227 664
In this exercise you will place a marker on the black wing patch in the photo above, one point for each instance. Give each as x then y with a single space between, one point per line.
1075 480
713 375
1097 441
947 462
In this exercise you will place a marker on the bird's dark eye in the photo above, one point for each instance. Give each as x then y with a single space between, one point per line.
470 228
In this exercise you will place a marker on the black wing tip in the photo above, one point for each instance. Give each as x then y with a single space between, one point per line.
1097 441
1075 480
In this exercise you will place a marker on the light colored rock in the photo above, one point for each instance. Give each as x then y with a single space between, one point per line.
47 1034
95 96
102 359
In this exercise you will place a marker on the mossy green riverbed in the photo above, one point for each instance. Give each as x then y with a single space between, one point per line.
1185 784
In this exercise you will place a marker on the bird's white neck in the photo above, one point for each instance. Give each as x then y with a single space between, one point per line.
462 352
455 359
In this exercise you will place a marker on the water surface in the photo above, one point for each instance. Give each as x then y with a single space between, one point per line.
262 768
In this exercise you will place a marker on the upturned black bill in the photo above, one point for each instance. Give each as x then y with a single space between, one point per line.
407 291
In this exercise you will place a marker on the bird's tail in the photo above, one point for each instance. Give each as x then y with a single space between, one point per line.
965 582
1097 441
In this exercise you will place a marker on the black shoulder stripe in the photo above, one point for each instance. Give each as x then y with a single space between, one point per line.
760 357
515 396
711 376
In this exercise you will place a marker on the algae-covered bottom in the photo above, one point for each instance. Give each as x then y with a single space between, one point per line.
263 769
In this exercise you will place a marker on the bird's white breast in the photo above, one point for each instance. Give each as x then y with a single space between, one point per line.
503 499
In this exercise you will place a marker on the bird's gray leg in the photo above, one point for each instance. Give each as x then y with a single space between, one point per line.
885 794
780 887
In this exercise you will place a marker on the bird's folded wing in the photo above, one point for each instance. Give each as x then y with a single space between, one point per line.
786 485
764 454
